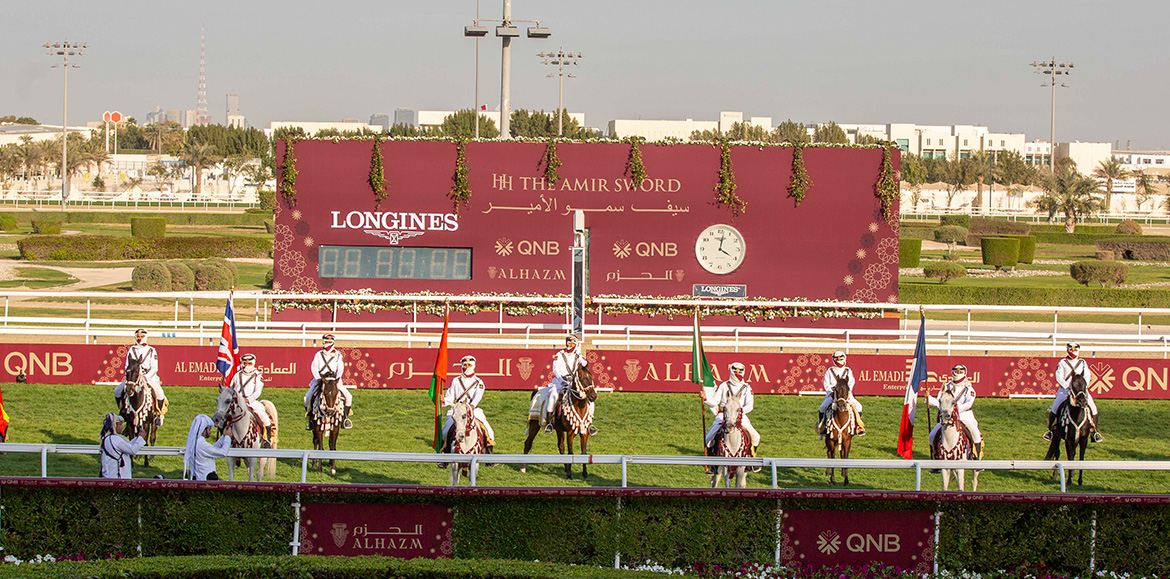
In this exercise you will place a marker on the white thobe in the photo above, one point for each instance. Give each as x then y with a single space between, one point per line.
333 361
149 366
1066 368
116 452
205 455
964 401
251 384
747 401
831 376
470 389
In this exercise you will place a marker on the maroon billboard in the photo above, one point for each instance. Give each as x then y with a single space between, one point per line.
857 538
619 370
353 529
664 237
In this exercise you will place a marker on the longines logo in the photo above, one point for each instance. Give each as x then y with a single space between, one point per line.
828 542
394 227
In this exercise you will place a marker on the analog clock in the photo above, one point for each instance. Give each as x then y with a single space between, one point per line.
720 249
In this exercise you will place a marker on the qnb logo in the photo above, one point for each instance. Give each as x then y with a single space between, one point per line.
828 542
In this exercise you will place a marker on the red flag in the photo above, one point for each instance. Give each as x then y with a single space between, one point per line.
3 420
440 375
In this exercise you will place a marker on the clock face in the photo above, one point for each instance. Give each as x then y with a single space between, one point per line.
720 249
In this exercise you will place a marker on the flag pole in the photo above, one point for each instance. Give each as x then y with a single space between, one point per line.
702 394
929 422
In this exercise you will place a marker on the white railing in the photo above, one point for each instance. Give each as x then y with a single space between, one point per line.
149 200
624 460
952 335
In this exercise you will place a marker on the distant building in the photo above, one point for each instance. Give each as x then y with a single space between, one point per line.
234 118
1144 160
432 119
380 119
1087 156
311 127
655 130
237 121
406 117
190 118
11 133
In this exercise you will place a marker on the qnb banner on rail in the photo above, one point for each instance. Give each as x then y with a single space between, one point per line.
857 538
619 370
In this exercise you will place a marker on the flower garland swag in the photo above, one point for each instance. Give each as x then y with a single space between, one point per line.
378 172
551 162
886 188
491 303
725 188
461 191
288 175
800 180
634 165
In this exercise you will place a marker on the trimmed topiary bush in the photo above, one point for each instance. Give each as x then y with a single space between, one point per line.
944 270
182 278
148 227
106 247
268 277
45 227
1000 251
1105 273
909 252
1128 227
267 200
963 221
1027 247
211 277
7 222
151 277
1104 255
950 235
1145 248
230 267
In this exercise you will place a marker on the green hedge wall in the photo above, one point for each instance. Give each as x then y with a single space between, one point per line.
916 232
182 278
1077 238
46 227
963 221
909 252
151 277
7 222
929 293
125 214
1081 228
1027 247
267 200
106 248
1145 247
148 226
1000 251
943 270
1106 273
987 226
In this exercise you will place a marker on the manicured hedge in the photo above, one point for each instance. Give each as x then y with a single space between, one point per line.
916 231
1027 247
1145 248
270 226
909 252
1000 251
1128 227
46 227
105 248
267 200
950 234
1081 228
7 222
148 226
212 277
230 267
182 278
943 270
151 277
987 226
963 221
1104 273
268 277
1077 238
174 218
930 293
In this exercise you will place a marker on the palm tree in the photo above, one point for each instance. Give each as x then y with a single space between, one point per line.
1144 187
199 156
1110 171
959 174
980 164
1070 193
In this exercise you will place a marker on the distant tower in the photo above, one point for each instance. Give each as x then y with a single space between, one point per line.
201 116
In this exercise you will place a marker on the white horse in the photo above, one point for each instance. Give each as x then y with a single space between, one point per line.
468 439
233 415
736 443
953 442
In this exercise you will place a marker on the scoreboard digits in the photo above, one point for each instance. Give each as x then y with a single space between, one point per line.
363 262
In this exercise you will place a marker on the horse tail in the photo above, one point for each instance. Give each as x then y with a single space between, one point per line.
268 465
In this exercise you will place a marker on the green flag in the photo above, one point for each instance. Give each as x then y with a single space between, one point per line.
700 370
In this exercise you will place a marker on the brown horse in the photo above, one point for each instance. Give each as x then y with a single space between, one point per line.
1073 426
573 417
839 427
327 409
138 406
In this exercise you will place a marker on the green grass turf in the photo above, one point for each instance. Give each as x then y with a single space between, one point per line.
630 423
38 278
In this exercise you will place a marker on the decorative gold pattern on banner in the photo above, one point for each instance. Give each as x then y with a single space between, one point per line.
1026 376
114 366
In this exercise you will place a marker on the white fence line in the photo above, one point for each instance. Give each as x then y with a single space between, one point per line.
624 460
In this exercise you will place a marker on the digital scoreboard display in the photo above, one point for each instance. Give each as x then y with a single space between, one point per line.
366 262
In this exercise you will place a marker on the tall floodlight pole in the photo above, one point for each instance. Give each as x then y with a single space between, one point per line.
1053 68
65 50
506 31
560 59
476 108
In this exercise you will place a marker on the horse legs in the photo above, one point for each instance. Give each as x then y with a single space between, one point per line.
962 477
333 446
569 466
831 448
150 435
1070 447
455 473
533 429
741 477
946 472
561 449
584 467
1084 442
717 476
975 481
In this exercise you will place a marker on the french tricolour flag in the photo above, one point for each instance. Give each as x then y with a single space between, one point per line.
917 376
228 359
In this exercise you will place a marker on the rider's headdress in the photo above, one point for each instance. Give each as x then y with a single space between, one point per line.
572 338
467 358
838 354
737 367
959 369
140 331
328 338
1073 346
248 358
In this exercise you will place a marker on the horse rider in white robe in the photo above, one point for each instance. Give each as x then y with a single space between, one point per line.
147 357
328 359
741 391
115 448
836 372
565 364
964 393
1069 366
199 459
466 387
249 382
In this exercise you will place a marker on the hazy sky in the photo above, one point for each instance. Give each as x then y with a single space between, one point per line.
812 61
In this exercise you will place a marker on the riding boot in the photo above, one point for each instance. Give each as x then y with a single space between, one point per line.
489 450
754 468
1051 423
820 424
932 456
267 442
548 420
345 413
308 420
860 425
1096 435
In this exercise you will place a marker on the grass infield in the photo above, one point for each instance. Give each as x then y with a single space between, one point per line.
629 423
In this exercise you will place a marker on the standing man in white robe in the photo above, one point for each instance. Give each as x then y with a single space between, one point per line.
116 450
199 459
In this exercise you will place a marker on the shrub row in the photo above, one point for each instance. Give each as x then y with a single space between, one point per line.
1129 227
214 274
1077 238
1145 248
125 215
106 248
944 270
148 226
985 226
1081 228
1103 273
7 222
916 232
46 227
924 293
963 221
909 252
267 200
979 536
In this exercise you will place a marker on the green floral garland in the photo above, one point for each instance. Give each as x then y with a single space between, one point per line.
886 189
634 165
551 162
288 174
800 180
378 172
725 188
461 191
518 308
